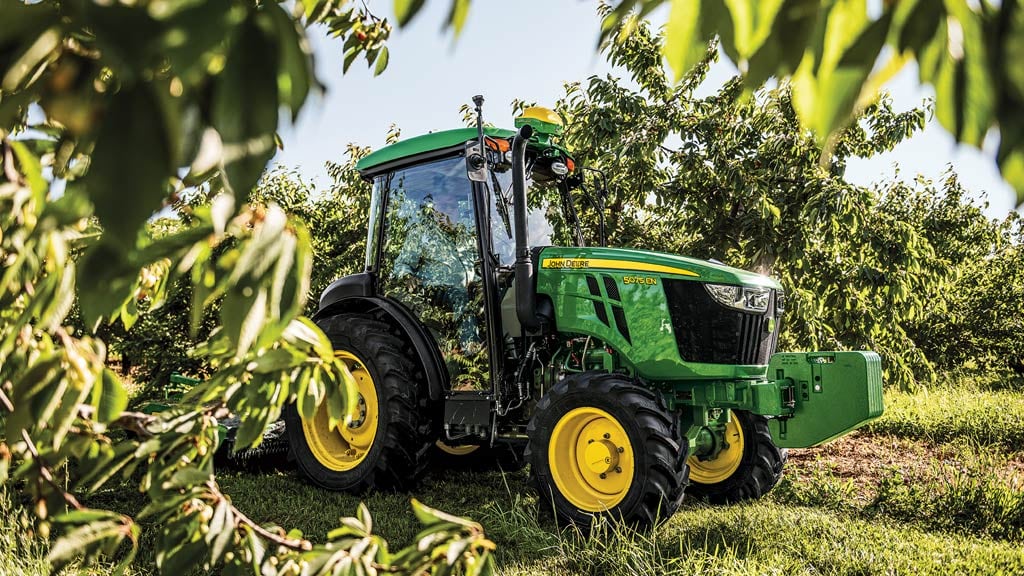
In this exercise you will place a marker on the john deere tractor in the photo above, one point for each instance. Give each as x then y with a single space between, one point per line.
482 324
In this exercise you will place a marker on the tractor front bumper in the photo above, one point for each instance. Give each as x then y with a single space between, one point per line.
809 397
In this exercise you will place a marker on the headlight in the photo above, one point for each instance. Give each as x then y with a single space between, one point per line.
780 303
748 299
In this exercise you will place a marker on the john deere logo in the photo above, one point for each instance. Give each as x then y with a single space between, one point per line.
566 263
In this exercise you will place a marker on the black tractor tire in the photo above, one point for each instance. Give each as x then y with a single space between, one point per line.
656 449
397 454
502 456
759 470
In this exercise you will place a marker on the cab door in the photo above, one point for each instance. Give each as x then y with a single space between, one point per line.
429 262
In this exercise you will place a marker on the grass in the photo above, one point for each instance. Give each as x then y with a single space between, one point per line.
976 409
20 551
952 501
971 492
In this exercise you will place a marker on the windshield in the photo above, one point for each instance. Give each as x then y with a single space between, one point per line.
546 222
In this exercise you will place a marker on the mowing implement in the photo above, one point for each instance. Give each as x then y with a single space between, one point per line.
483 328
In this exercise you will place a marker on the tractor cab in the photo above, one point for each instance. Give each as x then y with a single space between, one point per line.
442 243
484 324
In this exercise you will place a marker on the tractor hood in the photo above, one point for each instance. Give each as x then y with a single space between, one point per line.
648 262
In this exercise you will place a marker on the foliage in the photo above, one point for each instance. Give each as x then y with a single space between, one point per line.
967 498
337 217
838 54
139 102
982 324
960 412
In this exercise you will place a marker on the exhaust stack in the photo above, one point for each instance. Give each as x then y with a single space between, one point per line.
526 295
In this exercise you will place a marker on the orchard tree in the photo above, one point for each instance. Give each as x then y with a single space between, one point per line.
126 106
981 325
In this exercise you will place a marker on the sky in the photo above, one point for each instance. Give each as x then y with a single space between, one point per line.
527 49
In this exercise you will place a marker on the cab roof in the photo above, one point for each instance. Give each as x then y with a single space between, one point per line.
417 145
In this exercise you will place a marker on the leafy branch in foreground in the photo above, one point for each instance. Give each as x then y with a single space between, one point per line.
139 103
63 411
838 55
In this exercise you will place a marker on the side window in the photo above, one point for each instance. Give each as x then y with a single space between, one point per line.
428 262
545 221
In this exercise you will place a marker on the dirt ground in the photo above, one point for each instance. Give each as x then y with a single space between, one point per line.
865 458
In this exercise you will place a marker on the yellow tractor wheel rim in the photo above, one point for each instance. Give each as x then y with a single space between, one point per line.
457 450
726 463
344 446
591 459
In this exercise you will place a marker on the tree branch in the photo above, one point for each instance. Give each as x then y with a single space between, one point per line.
5 401
10 170
291 543
46 474
135 422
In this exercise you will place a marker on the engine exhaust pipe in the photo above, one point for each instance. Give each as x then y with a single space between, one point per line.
526 295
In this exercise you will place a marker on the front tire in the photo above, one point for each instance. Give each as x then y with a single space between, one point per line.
747 469
385 447
601 444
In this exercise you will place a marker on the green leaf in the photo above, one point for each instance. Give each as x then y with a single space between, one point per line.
350 56
458 14
243 315
830 80
222 531
917 23
125 35
184 558
26 67
382 61
130 165
430 516
303 330
683 45
975 93
105 281
1010 155
405 10
272 361
187 477
245 102
296 73
781 52
310 396
31 169
844 84
111 400
82 539
24 20
195 35
85 516
1012 14
752 22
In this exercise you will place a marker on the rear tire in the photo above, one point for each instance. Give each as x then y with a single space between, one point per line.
756 463
603 445
386 448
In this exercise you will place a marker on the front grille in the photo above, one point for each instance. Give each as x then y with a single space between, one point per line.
710 333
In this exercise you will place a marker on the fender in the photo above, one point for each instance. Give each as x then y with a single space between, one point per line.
346 287
348 297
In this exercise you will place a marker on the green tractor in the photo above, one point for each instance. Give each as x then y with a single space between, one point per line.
483 325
